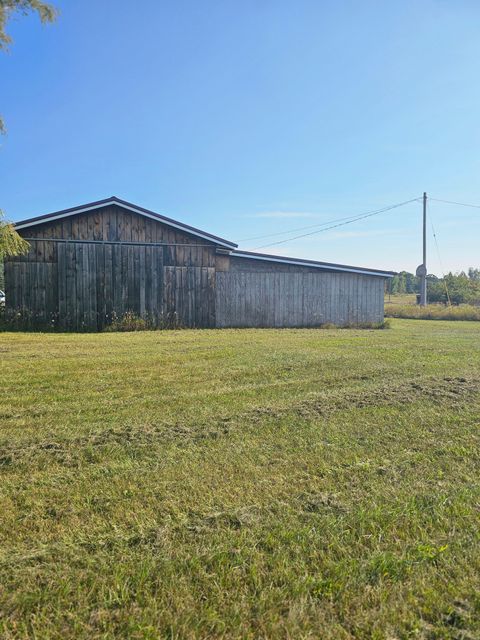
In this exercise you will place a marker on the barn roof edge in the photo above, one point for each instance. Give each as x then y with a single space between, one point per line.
231 247
330 266
30 222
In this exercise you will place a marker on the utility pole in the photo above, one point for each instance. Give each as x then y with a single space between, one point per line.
422 269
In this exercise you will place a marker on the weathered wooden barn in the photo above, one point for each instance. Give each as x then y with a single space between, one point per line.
92 263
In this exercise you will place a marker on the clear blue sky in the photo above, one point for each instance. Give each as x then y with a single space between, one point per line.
253 117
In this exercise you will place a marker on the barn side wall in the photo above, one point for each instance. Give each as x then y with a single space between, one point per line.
296 298
83 271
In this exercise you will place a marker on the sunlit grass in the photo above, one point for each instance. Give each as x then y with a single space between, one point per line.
241 484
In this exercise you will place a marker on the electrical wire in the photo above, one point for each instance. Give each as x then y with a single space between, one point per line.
461 204
439 258
322 224
311 226
350 220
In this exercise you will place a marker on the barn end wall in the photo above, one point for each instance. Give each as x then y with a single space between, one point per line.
84 271
296 298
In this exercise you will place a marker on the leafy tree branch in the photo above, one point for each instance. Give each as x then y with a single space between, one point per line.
45 11
11 244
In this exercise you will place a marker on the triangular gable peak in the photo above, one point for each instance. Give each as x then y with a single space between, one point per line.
128 206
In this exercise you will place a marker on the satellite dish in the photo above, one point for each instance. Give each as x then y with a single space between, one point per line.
421 271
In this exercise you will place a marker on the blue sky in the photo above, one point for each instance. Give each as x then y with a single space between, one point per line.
254 117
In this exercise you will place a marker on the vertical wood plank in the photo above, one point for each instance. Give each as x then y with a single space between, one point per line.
92 287
62 286
130 278
100 285
110 305
142 279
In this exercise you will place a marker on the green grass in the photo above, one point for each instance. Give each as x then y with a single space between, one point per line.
433 312
241 484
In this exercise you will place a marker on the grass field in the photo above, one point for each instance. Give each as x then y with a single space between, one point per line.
433 312
241 484
400 298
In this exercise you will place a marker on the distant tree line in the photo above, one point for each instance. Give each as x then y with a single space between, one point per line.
463 288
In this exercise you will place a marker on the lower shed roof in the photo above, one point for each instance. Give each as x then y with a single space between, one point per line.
300 262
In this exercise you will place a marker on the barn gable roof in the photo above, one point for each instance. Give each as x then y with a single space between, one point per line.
299 262
226 245
56 215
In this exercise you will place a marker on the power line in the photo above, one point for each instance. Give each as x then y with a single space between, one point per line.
320 224
440 259
350 220
461 204
311 226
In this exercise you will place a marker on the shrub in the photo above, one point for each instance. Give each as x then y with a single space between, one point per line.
130 321
26 320
384 324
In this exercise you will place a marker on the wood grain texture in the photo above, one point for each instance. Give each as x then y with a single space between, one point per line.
296 299
83 272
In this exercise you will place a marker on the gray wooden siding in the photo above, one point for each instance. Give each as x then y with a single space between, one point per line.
84 270
91 284
248 264
114 224
298 299
167 276
32 287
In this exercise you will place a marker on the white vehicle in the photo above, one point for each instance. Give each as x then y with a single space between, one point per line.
2 297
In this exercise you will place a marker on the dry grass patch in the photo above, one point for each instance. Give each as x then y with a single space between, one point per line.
432 312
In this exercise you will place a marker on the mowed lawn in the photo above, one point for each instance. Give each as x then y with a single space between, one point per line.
241 484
